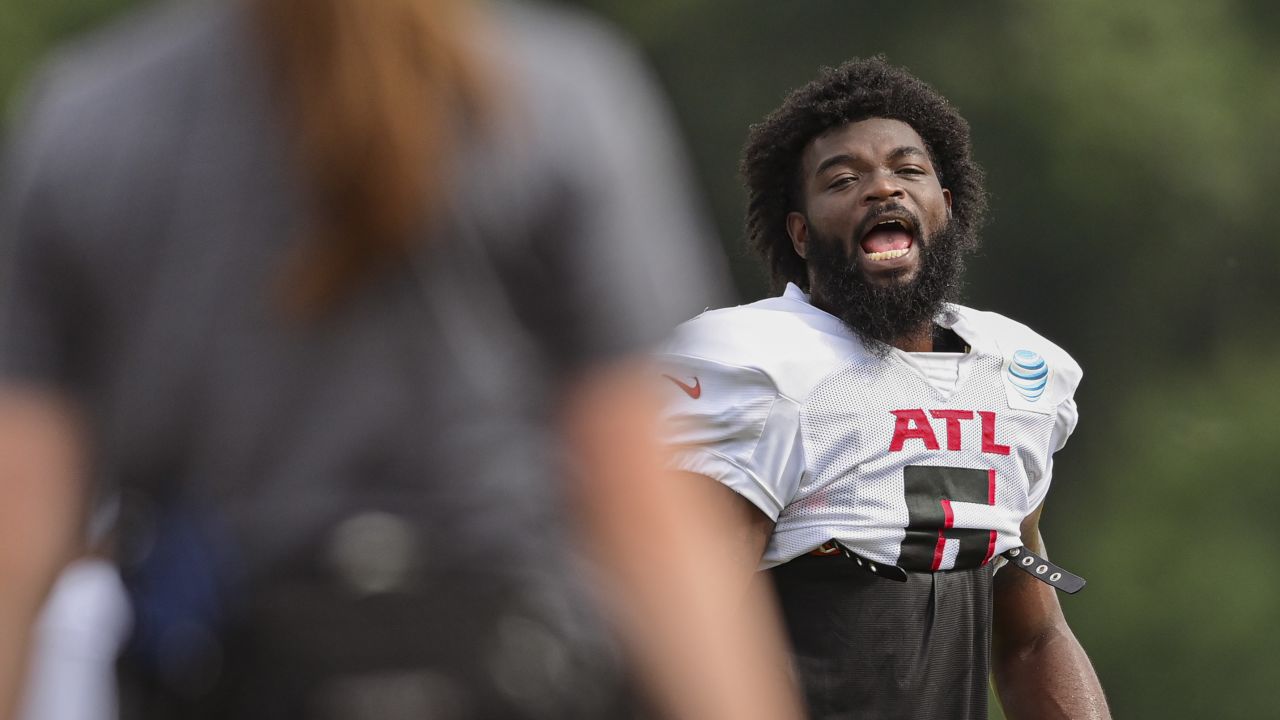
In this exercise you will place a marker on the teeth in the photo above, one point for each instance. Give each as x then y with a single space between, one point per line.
888 254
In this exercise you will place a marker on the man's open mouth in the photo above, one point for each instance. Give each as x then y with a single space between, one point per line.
888 239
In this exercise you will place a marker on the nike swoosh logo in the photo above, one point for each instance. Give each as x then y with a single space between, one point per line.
694 391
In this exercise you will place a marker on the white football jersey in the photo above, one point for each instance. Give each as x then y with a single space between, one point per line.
905 466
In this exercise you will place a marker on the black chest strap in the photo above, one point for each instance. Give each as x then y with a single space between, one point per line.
1041 569
1019 557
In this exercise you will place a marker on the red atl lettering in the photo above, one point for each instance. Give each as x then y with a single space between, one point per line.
989 444
913 424
952 418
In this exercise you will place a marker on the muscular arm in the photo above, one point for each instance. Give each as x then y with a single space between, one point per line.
40 473
1041 671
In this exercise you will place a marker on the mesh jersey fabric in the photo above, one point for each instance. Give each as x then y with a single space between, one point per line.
148 210
902 466
795 414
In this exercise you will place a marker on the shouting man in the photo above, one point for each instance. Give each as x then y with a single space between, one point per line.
887 451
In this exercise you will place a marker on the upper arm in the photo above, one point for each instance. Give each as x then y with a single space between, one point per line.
1024 608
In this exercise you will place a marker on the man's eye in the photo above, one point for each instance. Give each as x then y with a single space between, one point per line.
911 170
842 181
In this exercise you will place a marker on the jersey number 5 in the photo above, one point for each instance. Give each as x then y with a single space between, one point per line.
930 490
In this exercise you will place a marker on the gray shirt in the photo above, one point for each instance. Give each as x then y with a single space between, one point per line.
148 210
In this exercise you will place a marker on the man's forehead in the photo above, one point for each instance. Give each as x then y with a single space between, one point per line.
868 139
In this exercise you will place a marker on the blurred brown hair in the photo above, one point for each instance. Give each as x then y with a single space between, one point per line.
377 94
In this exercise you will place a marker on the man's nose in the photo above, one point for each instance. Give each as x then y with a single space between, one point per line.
883 186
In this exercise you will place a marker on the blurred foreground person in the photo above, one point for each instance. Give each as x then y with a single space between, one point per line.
334 295
885 449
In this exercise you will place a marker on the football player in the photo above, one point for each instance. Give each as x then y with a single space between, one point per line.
887 452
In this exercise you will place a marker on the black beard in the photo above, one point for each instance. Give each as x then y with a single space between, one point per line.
879 313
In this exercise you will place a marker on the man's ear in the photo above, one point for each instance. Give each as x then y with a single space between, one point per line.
798 230
946 195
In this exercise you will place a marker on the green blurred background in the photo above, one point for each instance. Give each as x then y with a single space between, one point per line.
1132 156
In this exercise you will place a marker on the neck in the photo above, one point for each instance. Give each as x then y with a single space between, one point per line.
919 340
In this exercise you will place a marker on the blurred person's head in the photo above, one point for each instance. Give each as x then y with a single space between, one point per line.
862 190
377 94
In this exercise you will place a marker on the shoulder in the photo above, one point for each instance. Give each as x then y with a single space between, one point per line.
562 62
137 58
1011 336
555 26
96 99
1026 354
553 41
785 342
575 82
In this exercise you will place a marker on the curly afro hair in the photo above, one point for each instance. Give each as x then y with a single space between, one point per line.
857 90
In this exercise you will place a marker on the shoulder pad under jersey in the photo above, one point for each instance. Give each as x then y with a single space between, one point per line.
1037 374
791 342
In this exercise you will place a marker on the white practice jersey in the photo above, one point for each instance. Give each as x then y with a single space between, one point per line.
903 465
